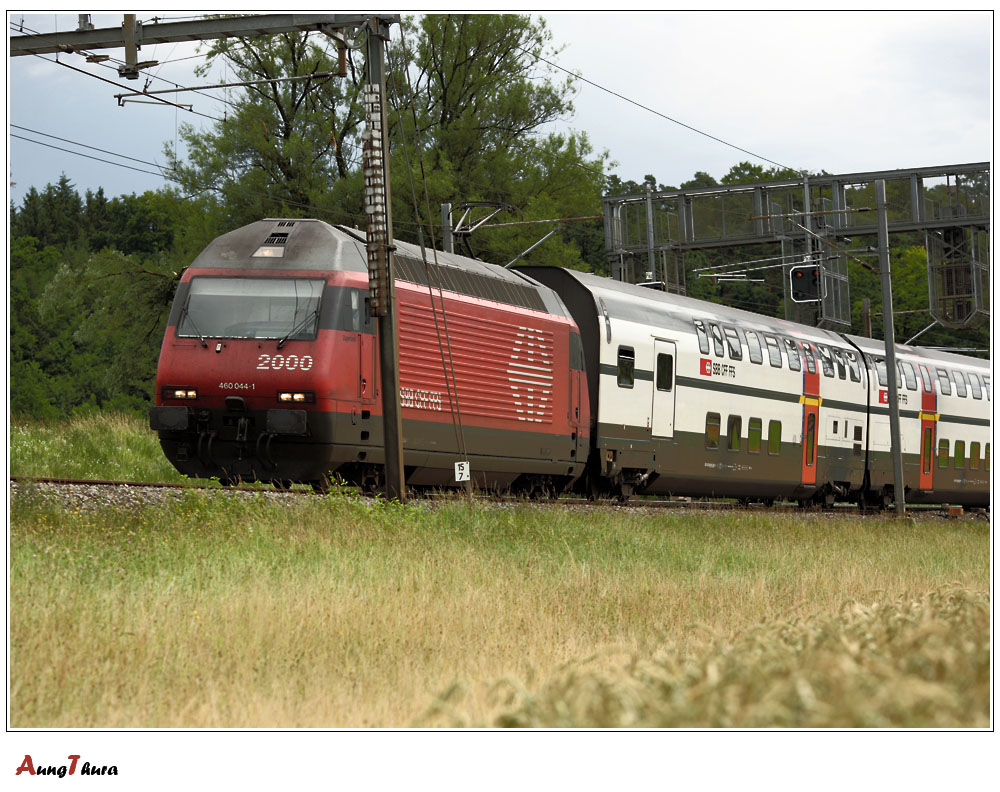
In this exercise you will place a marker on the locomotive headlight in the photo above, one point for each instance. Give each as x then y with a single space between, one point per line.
297 397
180 393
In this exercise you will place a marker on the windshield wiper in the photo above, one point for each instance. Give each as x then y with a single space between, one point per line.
194 327
312 316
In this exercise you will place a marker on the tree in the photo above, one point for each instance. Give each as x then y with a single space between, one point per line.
281 145
476 115
471 96
746 173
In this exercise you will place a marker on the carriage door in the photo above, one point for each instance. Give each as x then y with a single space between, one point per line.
810 401
664 364
928 429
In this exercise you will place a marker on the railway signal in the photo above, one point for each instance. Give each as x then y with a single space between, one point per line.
806 282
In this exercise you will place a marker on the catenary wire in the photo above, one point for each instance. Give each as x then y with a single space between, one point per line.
88 156
655 112
84 145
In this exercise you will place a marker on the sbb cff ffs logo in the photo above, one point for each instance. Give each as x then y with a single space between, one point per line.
806 283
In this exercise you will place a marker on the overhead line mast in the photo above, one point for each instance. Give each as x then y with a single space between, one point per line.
132 36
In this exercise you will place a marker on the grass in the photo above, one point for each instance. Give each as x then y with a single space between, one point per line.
228 609
240 612
92 446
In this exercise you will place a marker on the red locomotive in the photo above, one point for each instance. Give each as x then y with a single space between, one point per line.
268 367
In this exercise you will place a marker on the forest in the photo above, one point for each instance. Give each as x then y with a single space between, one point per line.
470 106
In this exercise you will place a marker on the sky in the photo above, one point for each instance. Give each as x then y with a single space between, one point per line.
842 92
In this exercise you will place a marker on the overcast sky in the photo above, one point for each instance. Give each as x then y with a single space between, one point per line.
841 92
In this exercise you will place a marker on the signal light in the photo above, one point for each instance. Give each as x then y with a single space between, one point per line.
806 283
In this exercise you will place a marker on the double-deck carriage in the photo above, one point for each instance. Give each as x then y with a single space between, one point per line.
693 398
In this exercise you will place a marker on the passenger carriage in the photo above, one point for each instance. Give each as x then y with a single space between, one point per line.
693 398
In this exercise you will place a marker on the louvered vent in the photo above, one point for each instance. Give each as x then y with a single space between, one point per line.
276 239
473 284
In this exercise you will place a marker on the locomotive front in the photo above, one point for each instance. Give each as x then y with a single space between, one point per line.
261 344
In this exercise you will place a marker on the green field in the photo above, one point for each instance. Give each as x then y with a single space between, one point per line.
228 609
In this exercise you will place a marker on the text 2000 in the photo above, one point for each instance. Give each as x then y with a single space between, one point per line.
284 362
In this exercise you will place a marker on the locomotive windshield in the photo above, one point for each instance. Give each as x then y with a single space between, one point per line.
277 308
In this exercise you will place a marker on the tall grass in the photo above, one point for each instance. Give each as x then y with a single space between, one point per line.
90 446
238 611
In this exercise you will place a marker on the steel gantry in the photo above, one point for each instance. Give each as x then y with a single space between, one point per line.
814 218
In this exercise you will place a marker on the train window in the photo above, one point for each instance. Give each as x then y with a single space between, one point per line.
974 456
810 359
811 439
960 453
943 449
827 359
880 368
908 374
699 327
773 350
793 355
928 450
858 433
278 308
925 377
960 384
754 433
944 382
720 349
977 390
774 438
713 422
852 366
987 388
735 348
753 347
626 367
838 358
734 431
664 372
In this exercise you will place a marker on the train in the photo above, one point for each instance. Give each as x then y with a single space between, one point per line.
544 380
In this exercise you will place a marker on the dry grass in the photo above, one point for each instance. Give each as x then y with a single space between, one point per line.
223 612
910 663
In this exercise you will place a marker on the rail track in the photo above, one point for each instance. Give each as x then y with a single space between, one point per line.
136 487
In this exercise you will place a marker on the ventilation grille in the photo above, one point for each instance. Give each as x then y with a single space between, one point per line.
286 224
276 239
473 284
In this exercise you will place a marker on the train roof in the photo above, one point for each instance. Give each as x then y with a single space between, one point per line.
309 244
662 309
876 346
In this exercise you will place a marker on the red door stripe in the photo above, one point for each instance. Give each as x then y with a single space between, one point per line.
810 407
